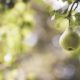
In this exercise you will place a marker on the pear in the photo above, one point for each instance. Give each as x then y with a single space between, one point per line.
69 40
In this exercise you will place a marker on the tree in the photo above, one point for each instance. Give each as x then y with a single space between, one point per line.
30 31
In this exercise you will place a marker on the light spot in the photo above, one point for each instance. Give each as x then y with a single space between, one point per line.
7 58
55 41
31 40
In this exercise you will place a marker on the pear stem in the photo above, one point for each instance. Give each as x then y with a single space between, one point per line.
77 1
70 12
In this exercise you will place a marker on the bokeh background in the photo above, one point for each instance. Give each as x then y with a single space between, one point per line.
29 42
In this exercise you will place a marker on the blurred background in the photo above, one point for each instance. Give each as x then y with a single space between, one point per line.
29 41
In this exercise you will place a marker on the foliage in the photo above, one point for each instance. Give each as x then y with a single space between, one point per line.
28 26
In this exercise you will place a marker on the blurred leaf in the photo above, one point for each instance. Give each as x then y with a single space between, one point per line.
1 75
77 15
29 19
69 1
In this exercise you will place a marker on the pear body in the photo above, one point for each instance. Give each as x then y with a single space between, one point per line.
69 40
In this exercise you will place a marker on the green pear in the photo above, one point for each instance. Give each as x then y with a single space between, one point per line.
69 40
